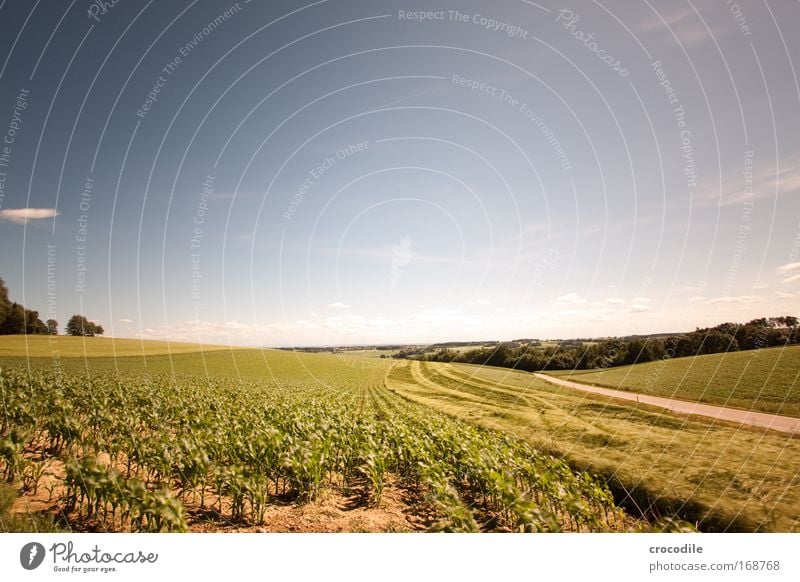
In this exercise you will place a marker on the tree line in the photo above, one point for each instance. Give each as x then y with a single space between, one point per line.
725 337
16 319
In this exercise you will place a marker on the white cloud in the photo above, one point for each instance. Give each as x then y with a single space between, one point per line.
388 253
658 21
344 328
401 258
125 320
338 305
23 215
791 279
767 183
640 305
696 299
734 299
615 301
683 23
570 299
789 267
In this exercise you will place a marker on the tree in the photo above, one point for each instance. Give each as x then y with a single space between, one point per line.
783 321
641 350
80 326
715 342
5 303
33 324
52 326
14 321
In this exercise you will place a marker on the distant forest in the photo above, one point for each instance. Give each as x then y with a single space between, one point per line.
580 355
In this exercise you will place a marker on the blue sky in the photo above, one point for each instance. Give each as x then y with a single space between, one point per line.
351 172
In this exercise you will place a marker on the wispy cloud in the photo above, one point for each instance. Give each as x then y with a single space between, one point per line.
767 182
125 320
640 305
791 272
570 299
792 279
23 215
384 254
341 328
338 305
658 20
734 299
401 257
683 23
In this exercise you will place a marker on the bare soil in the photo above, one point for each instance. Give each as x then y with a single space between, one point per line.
400 509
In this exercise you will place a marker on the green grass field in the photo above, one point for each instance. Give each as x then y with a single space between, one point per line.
37 346
281 366
767 380
373 353
727 476
461 349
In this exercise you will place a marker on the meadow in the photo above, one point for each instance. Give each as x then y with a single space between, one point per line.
767 380
720 476
48 346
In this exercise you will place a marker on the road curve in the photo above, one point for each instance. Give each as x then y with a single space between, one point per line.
785 424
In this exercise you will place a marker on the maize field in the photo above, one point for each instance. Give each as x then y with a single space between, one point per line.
140 451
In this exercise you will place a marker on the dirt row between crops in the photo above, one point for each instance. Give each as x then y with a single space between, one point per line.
785 424
400 509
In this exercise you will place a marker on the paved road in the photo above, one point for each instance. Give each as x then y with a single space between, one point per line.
785 424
